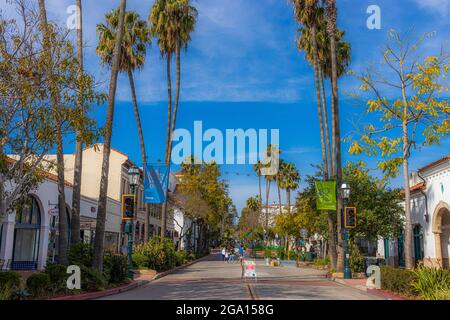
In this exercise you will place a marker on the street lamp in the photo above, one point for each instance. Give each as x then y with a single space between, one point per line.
133 179
345 192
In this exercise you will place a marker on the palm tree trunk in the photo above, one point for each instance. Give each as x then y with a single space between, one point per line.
168 141
62 224
97 261
267 203
260 193
141 143
325 120
78 165
177 96
331 28
288 200
279 198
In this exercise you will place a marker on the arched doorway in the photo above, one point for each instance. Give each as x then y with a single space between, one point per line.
441 230
26 236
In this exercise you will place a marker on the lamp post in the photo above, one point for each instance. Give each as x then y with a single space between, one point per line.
133 178
345 191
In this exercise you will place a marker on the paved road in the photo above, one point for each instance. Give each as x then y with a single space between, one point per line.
212 279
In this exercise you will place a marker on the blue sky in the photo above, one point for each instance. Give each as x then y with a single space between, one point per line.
242 70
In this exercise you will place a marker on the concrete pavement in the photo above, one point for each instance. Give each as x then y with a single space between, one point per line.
213 279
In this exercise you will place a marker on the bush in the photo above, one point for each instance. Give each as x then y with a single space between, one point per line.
9 281
267 254
356 259
160 252
38 284
115 268
182 258
80 254
92 280
322 262
58 277
140 261
431 283
397 280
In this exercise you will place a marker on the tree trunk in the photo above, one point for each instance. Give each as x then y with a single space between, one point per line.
260 193
331 28
62 224
97 261
330 156
168 141
288 200
177 97
408 243
78 165
279 198
267 203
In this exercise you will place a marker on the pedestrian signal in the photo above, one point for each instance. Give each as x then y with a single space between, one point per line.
350 218
128 204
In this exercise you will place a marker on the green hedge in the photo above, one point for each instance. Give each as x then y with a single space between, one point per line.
38 284
9 284
397 280
115 268
58 277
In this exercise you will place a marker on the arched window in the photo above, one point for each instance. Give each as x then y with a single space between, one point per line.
26 236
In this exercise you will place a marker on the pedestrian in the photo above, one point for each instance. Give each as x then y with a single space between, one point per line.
223 253
226 256
241 250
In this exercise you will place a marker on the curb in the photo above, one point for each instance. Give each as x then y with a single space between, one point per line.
101 294
385 294
358 287
165 273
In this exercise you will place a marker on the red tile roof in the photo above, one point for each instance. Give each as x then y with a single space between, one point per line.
435 163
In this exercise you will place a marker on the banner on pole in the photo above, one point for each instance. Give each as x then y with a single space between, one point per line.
155 183
326 195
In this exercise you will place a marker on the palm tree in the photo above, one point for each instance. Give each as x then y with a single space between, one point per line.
172 22
62 223
290 177
97 261
257 168
136 38
331 14
269 179
78 165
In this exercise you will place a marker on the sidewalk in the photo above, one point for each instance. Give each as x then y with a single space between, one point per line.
360 284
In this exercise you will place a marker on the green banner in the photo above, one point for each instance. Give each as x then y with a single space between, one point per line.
326 195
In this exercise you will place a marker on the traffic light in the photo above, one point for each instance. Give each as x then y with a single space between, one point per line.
350 217
128 204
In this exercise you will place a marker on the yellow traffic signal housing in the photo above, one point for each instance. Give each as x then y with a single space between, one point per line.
350 217
128 206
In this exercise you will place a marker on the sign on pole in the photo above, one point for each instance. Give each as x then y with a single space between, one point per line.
326 195
155 183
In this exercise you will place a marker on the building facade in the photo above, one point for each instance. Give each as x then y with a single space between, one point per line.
430 212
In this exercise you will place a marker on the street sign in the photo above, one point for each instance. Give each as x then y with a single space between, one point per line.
350 217
128 204
53 212
155 183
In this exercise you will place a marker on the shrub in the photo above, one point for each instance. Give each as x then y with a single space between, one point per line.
9 279
58 277
140 261
92 280
115 268
160 252
442 295
293 255
80 254
397 280
267 254
322 262
356 259
38 284
182 257
431 283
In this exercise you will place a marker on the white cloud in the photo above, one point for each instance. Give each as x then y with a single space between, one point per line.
436 6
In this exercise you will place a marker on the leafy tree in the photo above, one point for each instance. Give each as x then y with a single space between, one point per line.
288 179
407 105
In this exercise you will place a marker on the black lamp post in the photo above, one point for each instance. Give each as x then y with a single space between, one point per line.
345 192
133 179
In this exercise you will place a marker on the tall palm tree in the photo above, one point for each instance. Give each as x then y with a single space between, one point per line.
172 22
136 38
78 165
290 177
331 14
269 179
55 102
97 261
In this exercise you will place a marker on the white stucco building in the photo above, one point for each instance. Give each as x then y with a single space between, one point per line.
430 210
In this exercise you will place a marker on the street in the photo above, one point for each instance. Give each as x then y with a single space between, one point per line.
213 279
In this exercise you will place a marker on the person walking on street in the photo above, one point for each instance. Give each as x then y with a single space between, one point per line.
223 253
